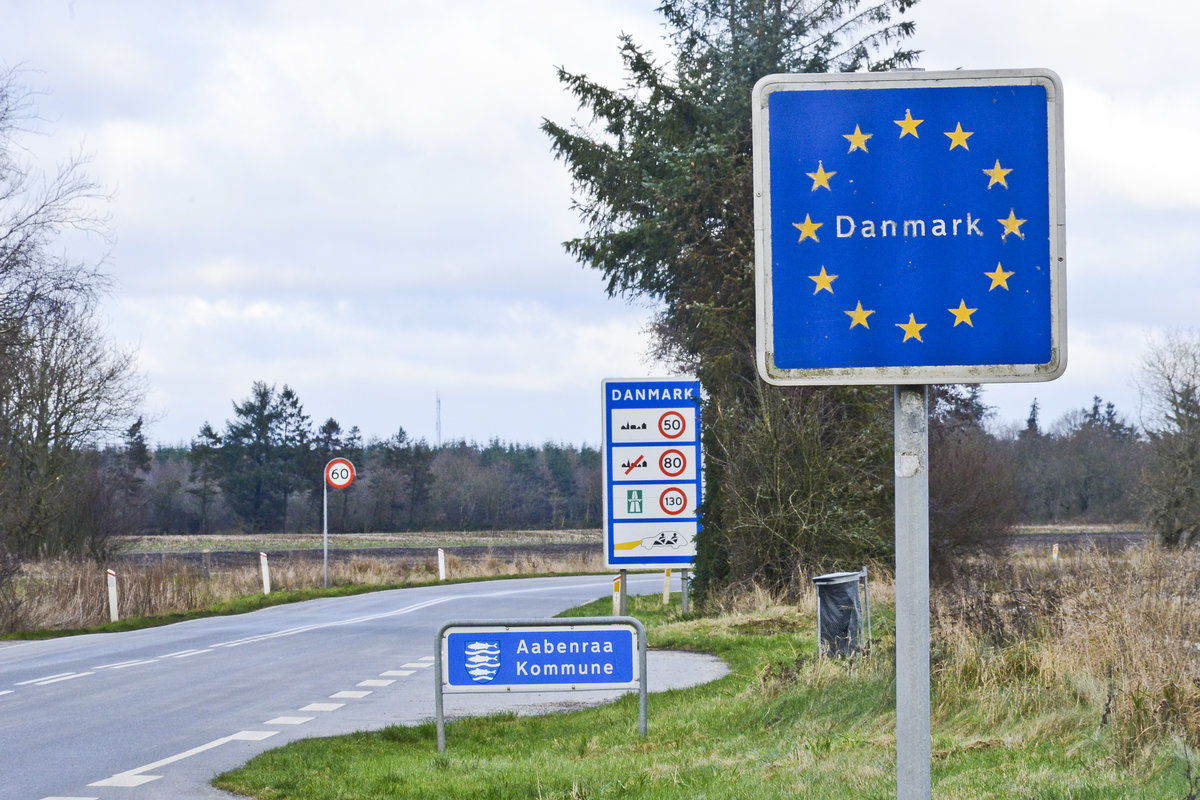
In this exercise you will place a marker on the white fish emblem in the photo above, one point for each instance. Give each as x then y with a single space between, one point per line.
482 660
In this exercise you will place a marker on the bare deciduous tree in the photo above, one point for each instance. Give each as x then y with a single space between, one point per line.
63 387
1169 379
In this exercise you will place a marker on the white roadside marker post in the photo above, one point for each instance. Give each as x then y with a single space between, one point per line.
617 594
441 564
667 587
266 573
112 596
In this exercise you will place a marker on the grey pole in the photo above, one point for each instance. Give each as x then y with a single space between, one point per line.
912 594
624 602
683 590
325 527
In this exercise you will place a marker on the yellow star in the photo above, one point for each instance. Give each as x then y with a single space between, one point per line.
912 328
808 228
999 278
1011 225
962 313
824 281
908 124
859 316
858 140
958 137
997 174
820 177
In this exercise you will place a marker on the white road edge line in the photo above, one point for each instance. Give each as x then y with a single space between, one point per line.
353 621
44 678
134 777
61 678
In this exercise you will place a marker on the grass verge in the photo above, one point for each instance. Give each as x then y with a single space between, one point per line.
783 724
58 598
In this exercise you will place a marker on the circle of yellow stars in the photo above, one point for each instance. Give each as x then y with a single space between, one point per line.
958 138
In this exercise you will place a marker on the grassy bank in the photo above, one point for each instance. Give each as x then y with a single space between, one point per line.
60 596
1050 681
246 542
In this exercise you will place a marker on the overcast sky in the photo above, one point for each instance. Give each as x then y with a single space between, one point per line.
354 199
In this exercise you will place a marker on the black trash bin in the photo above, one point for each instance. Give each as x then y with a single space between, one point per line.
839 613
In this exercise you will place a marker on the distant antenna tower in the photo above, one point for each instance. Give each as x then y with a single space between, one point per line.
439 420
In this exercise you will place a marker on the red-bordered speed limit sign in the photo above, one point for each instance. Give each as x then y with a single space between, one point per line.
339 473
672 425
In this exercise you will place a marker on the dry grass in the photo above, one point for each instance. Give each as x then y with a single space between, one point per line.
1115 631
190 543
62 595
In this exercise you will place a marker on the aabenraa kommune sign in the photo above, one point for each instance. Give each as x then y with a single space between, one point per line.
539 655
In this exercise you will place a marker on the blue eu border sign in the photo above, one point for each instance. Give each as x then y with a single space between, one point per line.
909 227
653 474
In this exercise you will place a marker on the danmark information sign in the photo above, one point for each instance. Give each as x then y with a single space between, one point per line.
909 227
653 479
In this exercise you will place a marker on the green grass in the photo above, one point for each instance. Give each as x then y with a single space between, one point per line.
783 724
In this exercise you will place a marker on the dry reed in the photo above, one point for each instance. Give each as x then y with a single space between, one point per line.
1117 632
63 595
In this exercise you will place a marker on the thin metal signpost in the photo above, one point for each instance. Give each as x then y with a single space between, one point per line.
339 473
909 231
913 751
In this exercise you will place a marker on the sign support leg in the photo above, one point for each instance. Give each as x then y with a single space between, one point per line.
913 750
624 592
683 590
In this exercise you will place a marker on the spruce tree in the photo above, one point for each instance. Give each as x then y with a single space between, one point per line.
662 172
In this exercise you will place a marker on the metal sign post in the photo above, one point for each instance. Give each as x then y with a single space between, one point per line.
339 473
913 752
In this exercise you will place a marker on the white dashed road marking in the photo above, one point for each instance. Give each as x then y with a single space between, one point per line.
398 673
375 682
348 695
322 706
289 720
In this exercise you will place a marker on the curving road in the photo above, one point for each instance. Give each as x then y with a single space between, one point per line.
156 713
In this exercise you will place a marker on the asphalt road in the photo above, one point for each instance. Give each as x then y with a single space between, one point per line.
157 713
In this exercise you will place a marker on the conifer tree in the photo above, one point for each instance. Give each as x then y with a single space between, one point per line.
662 172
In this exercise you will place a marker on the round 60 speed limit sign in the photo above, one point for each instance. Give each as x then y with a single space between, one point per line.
339 473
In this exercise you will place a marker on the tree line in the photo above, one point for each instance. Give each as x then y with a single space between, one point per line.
264 471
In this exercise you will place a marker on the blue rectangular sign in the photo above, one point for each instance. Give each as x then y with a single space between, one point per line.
909 227
653 471
540 658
